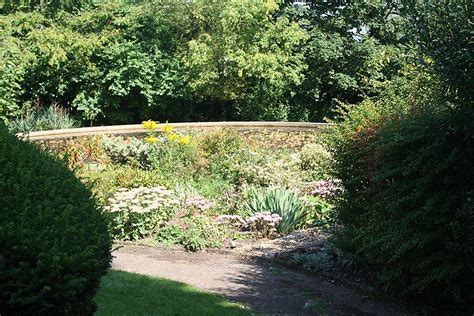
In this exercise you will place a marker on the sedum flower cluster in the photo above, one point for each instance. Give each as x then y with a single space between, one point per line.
234 221
199 203
140 200
264 223
327 189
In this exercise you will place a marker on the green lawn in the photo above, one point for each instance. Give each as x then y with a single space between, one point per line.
123 293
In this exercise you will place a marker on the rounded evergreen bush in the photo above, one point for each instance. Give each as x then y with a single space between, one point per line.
54 244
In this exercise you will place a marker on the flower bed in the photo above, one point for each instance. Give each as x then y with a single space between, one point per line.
202 189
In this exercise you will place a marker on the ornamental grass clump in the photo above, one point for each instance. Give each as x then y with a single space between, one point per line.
281 201
54 244
41 119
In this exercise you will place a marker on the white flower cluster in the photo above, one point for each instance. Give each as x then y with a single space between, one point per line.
264 223
231 220
140 200
198 202
266 217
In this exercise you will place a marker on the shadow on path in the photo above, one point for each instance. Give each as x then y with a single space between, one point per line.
267 287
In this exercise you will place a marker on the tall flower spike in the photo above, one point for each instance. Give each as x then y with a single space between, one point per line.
184 140
149 125
167 128
151 139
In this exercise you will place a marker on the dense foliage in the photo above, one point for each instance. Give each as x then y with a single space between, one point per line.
119 62
203 189
406 159
54 245
352 49
407 202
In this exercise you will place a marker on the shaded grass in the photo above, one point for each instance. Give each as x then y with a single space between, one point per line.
123 293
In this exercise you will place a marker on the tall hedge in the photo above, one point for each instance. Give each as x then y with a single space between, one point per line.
408 201
54 244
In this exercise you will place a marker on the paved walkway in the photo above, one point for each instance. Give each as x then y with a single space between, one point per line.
267 287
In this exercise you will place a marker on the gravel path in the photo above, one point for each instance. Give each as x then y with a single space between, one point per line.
267 287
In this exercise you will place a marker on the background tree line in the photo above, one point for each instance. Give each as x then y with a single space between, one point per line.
121 62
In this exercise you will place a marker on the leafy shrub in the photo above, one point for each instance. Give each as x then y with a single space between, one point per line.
54 245
320 212
197 233
171 235
131 151
129 225
219 142
105 183
283 202
279 139
222 149
210 186
52 117
232 201
315 160
265 167
169 151
238 163
407 200
79 152
319 261
177 162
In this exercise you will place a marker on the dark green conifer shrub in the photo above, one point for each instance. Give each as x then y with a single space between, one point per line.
54 244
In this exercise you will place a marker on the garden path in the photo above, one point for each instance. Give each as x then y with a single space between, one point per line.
264 285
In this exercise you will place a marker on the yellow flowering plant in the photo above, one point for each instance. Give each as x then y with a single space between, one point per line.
151 126
173 137
184 140
167 129
150 139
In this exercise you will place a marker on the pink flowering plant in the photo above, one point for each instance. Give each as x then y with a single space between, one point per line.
198 203
264 224
327 189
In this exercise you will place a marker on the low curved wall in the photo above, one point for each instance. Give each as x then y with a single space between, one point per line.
137 129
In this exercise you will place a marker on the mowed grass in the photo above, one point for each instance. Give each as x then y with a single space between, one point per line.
123 293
